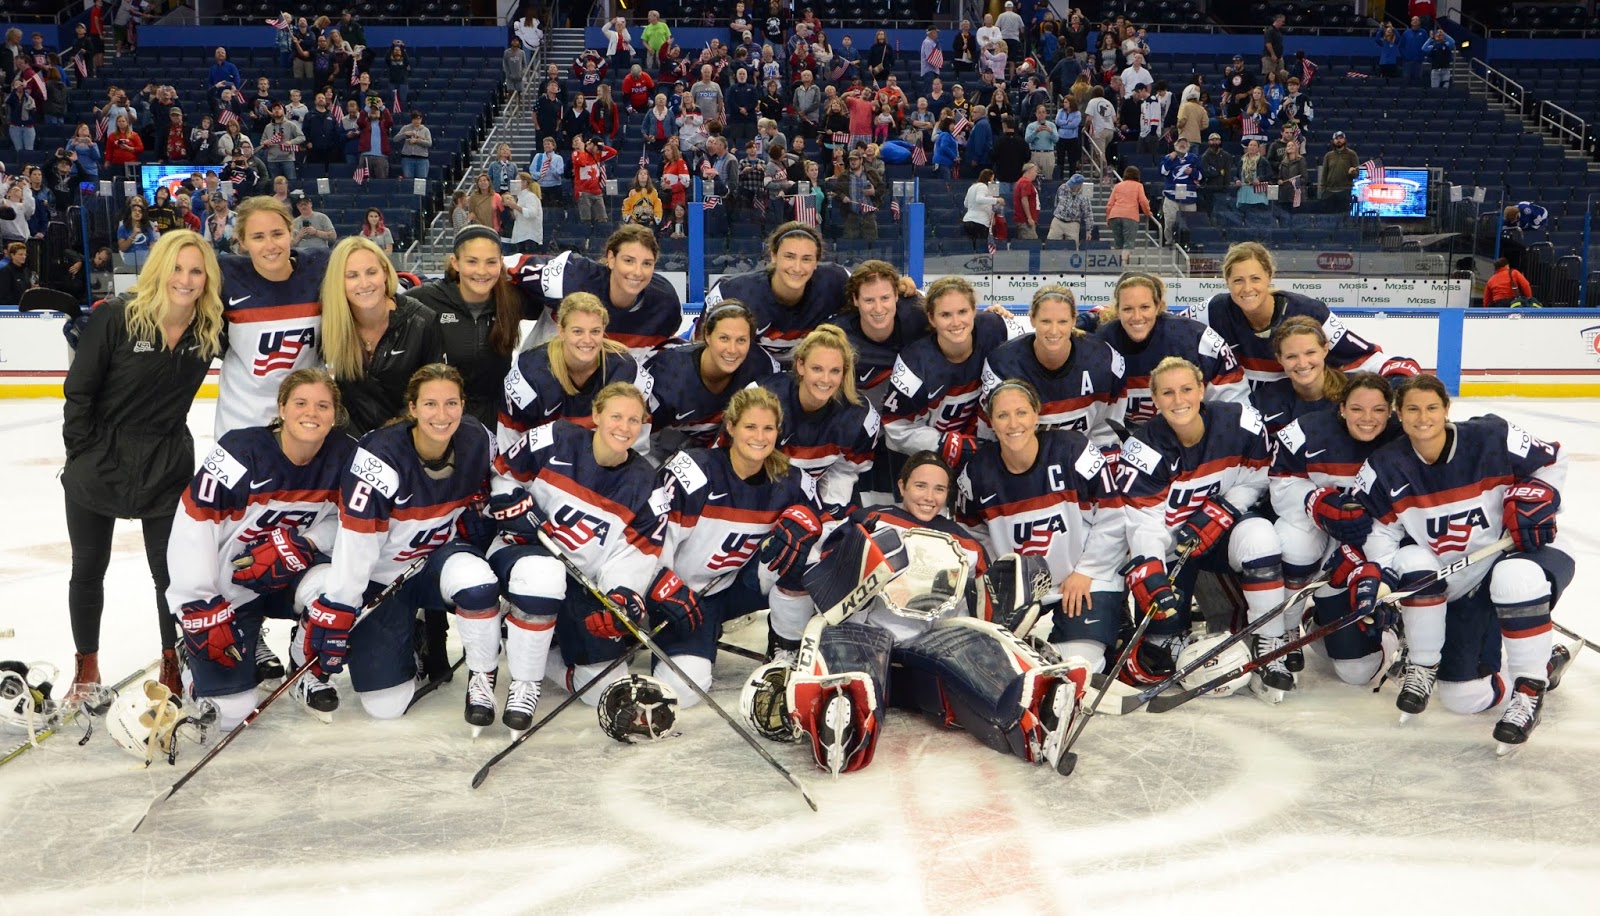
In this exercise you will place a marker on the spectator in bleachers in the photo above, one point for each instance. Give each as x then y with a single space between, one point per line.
416 142
342 54
483 203
1075 37
1011 28
637 89
605 117
513 64
161 211
530 34
1181 170
1100 117
1288 137
16 208
460 215
1192 118
642 206
1296 107
23 116
135 235
1411 51
987 34
1255 175
186 219
807 103
1338 172
221 227
322 62
587 177
660 124
1127 205
1072 218
674 174
741 113
527 215
1503 286
982 202
1217 173
656 34
375 126
82 57
501 170
1010 154
861 195
374 231
980 139
1272 46
312 230
1441 51
1254 118
879 59
1292 177
548 113
1135 75
302 49
549 171
123 148
281 140
575 117
15 276
619 44
398 69
1388 42
83 151
324 144
56 97
691 130
1025 204
223 74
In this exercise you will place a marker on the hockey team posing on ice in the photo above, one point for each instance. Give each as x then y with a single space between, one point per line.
938 510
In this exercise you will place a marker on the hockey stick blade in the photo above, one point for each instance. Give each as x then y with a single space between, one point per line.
279 691
624 658
71 717
41 299
1174 700
435 684
665 659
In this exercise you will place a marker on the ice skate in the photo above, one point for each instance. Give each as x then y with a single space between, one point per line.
1416 687
1521 715
1294 661
317 697
1271 682
1561 656
480 701
521 701
268 666
1390 660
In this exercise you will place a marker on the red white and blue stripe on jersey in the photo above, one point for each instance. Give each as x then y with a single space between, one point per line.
716 520
834 443
1456 504
244 489
533 396
1314 451
780 327
655 317
875 359
928 395
1085 392
680 400
1164 481
1347 351
1174 336
392 512
601 516
272 329
1063 508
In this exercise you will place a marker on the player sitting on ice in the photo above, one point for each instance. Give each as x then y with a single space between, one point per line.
904 592
1453 488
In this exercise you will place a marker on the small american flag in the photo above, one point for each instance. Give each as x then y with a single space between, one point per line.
1374 168
805 209
362 173
960 125
1295 182
100 128
1354 75
936 59
868 208
644 158
760 201
544 166
1260 187
396 106
992 246
80 66
226 117
919 156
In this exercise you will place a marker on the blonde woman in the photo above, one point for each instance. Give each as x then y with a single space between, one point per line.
372 342
559 380
139 363
527 209
829 430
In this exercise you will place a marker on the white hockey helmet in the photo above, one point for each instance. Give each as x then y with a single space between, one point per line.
763 702
25 701
1228 659
143 721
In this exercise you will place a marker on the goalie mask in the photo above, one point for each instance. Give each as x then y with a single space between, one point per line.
637 705
1228 659
764 702
145 722
1013 591
25 701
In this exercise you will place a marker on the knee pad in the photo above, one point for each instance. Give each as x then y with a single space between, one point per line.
1414 563
1469 697
467 582
1092 653
1254 550
310 587
698 669
233 708
788 615
579 676
537 586
388 703
1303 549
1358 671
1518 588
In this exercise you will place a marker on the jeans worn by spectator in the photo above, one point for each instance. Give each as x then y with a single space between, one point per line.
413 167
284 167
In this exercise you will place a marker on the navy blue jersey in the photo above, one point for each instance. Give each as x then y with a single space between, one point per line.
1279 405
833 444
681 402
245 488
533 397
1174 336
1348 352
1313 451
1081 395
928 395
1455 505
1064 508
780 327
875 359
1164 481
393 511
601 516
272 329
644 327
715 520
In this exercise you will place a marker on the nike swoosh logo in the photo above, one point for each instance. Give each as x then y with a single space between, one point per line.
1398 490
937 391
257 484
233 301
715 496
1174 467
1274 416
401 502
687 413
566 464
1315 453
985 500
396 352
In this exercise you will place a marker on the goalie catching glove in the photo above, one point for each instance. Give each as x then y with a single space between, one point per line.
274 561
1013 588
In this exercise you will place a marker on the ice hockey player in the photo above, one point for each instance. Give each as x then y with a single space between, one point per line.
829 431
790 296
690 385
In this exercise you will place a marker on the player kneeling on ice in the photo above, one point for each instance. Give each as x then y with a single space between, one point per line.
1190 478
1323 526
401 499
590 493
1452 488
251 539
902 580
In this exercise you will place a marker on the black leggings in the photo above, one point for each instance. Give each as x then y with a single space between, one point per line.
90 534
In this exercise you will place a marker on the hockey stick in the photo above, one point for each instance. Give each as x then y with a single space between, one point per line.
649 643
1593 646
281 689
72 716
1067 758
435 683
1174 700
623 659
43 299
724 646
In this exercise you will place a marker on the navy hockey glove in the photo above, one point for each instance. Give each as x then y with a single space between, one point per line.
603 624
1363 580
273 562
788 544
1530 513
210 631
1339 514
516 513
474 525
1205 527
670 598
956 448
1400 368
1152 590
325 639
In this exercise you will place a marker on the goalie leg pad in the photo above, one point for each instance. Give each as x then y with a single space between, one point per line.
851 647
838 714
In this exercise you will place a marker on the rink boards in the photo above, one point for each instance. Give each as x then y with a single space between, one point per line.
1478 352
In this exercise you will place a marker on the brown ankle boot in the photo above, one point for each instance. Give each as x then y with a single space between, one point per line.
85 674
171 675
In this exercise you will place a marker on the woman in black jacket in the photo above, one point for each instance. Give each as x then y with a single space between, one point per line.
372 342
129 452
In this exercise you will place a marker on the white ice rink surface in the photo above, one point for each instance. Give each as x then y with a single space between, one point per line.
1321 805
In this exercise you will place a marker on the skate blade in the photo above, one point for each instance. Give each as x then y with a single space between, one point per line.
1502 749
1407 717
326 718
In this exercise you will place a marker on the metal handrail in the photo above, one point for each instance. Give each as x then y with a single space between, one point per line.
1508 89
1567 127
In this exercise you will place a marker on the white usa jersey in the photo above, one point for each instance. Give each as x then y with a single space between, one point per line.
272 328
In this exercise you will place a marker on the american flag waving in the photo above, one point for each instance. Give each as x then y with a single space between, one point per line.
1374 169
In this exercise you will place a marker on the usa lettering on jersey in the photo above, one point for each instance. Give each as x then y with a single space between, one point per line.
278 351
